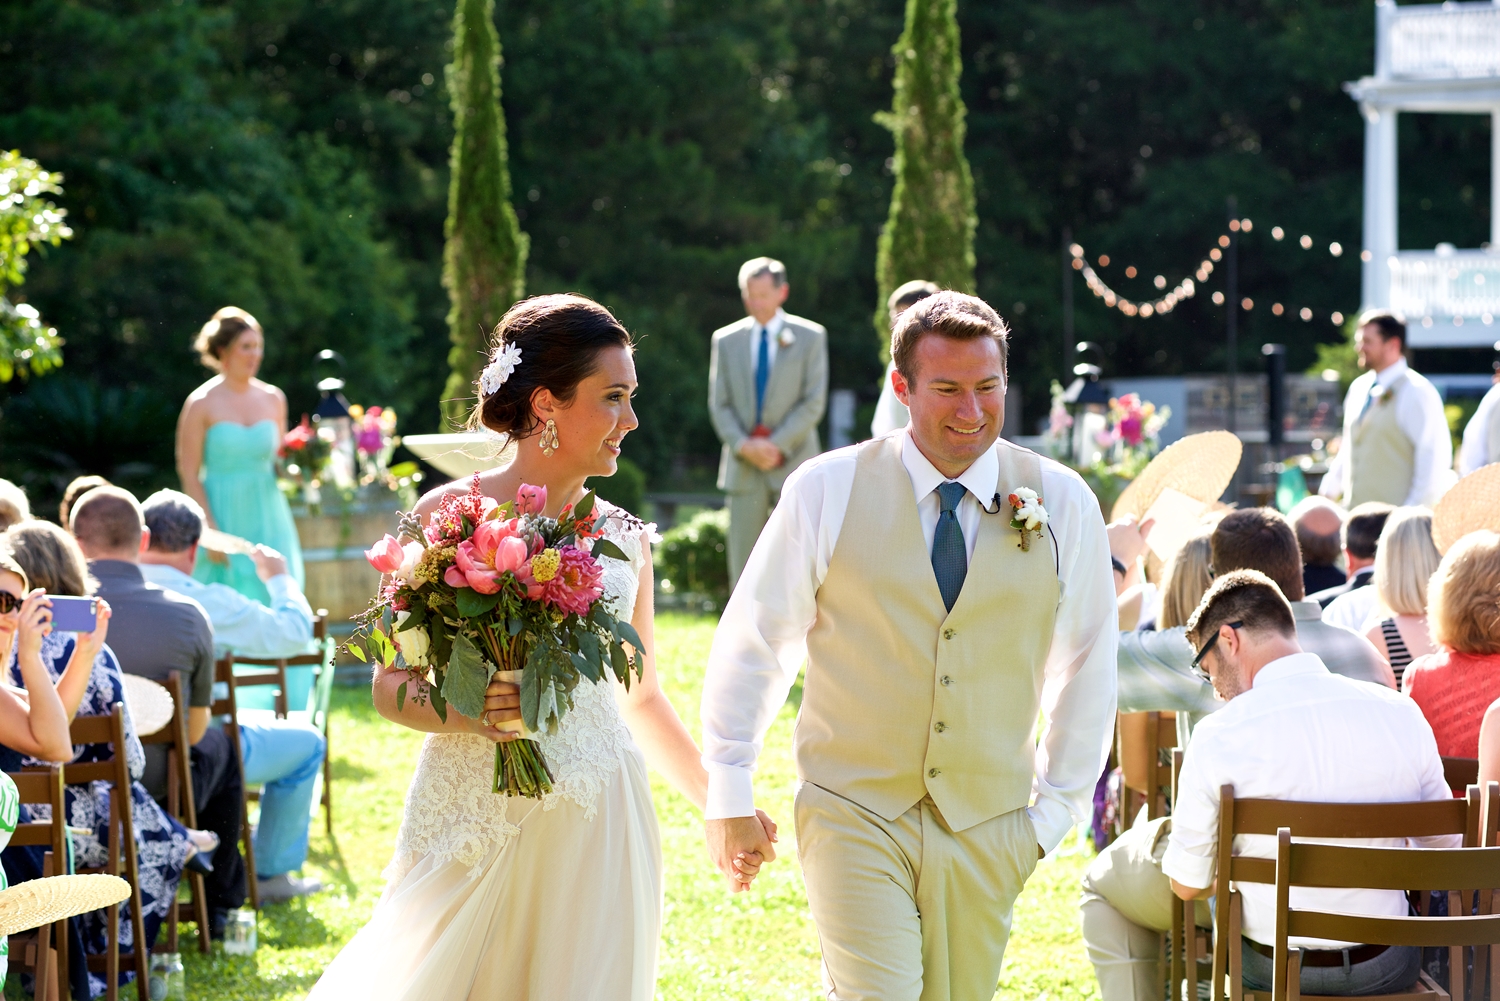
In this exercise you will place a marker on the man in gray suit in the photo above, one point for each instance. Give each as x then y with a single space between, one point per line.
767 388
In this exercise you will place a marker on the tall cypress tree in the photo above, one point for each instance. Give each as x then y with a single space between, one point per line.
484 260
929 233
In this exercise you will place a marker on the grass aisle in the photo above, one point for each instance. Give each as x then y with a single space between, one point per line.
715 946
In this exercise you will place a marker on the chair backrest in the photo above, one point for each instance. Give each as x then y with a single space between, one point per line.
1143 737
1460 773
99 730
275 674
43 787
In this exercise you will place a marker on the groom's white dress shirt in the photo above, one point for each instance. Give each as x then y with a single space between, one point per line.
761 643
1421 419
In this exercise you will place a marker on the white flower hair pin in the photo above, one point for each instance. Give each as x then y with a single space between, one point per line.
1029 517
504 362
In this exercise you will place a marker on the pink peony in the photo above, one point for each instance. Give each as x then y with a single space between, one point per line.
386 555
1130 429
493 550
530 499
575 584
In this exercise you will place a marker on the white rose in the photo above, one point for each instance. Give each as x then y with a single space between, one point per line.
414 644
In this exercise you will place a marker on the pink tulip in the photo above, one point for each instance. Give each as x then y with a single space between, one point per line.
530 499
386 555
493 550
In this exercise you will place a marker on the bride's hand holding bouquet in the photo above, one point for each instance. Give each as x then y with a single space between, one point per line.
488 592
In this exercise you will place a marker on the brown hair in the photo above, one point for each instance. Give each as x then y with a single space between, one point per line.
1463 610
1319 549
1259 538
1362 530
108 520
1247 596
220 331
50 558
1388 323
14 507
76 489
1187 578
946 314
559 337
905 295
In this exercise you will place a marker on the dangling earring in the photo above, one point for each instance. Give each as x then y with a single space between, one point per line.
549 442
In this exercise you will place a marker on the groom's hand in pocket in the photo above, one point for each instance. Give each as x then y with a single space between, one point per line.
739 846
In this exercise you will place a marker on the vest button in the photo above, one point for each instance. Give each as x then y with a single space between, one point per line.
946 680
933 773
947 634
940 726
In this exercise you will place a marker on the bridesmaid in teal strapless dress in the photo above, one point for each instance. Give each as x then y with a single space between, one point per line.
227 439
239 477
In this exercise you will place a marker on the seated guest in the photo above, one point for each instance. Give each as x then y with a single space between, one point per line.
1156 668
1187 577
14 507
53 562
79 486
1489 746
1349 604
1319 524
1291 730
1454 686
1407 557
155 632
282 756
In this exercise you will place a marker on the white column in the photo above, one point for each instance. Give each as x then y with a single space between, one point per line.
1380 203
1495 181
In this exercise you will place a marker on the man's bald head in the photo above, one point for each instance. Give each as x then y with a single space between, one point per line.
107 523
1319 523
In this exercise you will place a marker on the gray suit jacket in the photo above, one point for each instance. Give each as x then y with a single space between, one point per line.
796 396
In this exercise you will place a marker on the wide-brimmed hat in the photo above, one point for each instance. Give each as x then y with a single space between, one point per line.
37 902
1471 505
150 704
1199 465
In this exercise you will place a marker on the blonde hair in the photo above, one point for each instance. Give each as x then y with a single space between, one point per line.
220 331
51 558
14 507
1405 559
8 565
1185 581
1464 596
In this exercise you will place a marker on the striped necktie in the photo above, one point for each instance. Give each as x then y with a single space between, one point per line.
950 559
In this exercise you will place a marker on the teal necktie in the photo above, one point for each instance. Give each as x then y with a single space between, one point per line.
950 559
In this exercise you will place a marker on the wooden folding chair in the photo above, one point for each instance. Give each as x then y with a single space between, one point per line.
1357 867
180 804
228 706
1146 772
1460 773
121 859
44 952
1188 941
1316 820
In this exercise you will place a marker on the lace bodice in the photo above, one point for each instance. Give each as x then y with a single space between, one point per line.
452 814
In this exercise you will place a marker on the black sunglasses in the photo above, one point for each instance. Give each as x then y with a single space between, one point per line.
1198 660
8 602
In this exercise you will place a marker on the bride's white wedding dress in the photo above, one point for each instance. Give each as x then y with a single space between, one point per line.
492 898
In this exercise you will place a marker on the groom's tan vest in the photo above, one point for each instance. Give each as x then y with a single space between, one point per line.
1383 461
904 699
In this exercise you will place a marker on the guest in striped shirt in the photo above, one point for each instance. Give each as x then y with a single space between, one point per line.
1404 560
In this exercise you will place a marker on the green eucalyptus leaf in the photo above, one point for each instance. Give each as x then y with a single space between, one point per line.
439 704
417 616
472 604
585 507
400 696
627 632
620 664
603 547
584 666
466 678
355 649
530 693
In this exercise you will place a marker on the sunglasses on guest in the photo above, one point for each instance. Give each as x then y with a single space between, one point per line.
1198 660
9 602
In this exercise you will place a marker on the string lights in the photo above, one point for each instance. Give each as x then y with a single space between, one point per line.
1186 289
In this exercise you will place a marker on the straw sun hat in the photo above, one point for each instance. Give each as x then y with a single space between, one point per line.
1199 465
1472 504
150 704
38 902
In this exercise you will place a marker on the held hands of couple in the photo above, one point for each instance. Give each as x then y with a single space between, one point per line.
739 846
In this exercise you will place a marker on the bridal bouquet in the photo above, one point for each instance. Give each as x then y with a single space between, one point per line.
486 587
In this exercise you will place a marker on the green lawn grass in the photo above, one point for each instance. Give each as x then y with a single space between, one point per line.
759 945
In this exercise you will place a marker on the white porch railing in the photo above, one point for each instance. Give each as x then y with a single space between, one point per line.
1458 283
1438 41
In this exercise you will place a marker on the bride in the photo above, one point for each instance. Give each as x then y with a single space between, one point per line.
492 897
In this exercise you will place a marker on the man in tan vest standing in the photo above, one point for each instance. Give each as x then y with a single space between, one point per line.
1396 448
767 389
943 587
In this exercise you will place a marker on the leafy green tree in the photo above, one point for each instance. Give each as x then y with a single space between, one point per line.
484 263
929 233
26 219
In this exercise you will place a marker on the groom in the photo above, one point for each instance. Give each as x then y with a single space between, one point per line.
934 632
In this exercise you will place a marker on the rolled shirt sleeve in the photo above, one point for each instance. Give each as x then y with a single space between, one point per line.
1155 674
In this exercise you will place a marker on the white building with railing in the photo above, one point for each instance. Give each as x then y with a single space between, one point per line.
1430 58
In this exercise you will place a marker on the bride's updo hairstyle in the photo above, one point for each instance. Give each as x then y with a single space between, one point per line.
559 337
220 331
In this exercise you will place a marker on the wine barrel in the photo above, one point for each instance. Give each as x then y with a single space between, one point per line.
339 578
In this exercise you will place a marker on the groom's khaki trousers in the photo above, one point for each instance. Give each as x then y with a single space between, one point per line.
908 910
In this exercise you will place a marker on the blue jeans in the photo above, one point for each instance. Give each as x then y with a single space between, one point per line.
284 758
1388 973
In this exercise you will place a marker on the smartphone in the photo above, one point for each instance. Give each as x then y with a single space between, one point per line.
73 615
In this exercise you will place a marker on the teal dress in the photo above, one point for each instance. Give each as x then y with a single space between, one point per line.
239 477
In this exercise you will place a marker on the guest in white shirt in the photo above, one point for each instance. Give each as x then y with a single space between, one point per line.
1290 730
1396 447
1351 603
283 756
891 413
1481 444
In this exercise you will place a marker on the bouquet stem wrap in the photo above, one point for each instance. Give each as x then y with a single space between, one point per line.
520 769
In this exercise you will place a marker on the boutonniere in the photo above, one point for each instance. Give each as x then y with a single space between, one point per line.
784 337
1380 394
1028 517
